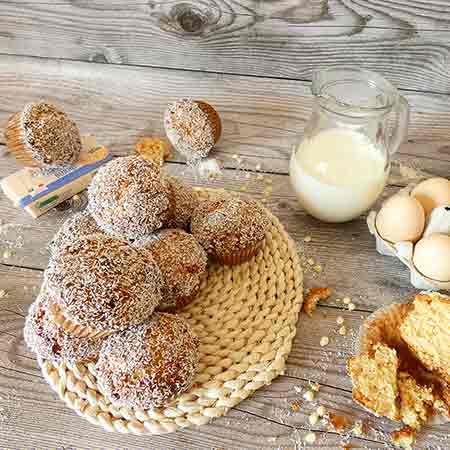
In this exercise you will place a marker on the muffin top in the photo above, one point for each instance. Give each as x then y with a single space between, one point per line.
50 136
192 127
128 198
230 224
148 365
49 341
76 226
181 260
184 201
104 283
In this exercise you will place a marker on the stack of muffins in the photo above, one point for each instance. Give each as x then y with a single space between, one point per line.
120 270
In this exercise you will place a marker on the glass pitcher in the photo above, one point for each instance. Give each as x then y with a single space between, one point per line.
341 165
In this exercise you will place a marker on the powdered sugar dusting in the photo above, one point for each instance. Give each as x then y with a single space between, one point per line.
181 260
128 198
104 283
189 129
150 364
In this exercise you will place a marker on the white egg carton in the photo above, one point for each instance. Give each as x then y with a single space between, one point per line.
438 222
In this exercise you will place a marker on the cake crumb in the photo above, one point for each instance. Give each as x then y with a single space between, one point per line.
307 239
338 422
313 297
309 395
3 294
310 261
346 300
351 306
6 254
260 177
310 438
343 330
324 341
295 406
313 418
404 438
317 268
358 428
314 386
154 149
321 411
339 320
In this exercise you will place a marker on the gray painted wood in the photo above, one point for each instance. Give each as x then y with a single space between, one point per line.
406 41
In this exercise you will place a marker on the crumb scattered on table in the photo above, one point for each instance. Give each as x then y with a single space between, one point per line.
338 423
313 297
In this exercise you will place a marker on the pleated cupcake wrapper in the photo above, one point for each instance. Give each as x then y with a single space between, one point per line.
239 257
213 118
383 326
15 141
72 327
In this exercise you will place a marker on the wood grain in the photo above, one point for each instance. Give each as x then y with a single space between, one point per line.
405 41
262 117
21 382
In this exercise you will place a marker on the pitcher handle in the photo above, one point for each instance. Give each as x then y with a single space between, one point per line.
401 130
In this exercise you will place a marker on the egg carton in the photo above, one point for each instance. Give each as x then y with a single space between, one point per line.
438 222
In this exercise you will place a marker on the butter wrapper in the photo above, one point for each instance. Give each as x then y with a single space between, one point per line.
37 190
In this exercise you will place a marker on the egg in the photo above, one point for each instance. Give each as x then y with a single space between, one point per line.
432 256
432 193
401 218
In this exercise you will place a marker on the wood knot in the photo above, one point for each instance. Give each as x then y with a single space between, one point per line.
186 18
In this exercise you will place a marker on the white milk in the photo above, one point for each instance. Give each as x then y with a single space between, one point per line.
338 174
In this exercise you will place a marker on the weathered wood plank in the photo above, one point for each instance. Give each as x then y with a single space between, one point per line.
406 41
308 361
262 117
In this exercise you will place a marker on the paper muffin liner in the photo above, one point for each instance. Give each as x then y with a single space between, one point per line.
15 142
73 328
213 117
234 259
383 326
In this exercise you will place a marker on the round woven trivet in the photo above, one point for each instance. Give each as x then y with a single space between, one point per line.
245 317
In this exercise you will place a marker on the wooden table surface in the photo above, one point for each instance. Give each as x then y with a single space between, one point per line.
113 66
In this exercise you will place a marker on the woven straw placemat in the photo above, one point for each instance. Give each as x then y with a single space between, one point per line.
245 317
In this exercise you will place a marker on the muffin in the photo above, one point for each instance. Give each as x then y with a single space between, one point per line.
230 229
192 127
102 284
184 201
148 365
374 379
76 226
41 135
182 262
128 198
49 340
426 330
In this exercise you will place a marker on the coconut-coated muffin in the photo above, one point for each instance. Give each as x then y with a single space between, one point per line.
42 135
184 200
128 198
76 226
230 229
182 262
103 283
148 365
50 341
192 127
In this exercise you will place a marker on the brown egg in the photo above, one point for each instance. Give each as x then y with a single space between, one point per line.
432 193
401 218
432 256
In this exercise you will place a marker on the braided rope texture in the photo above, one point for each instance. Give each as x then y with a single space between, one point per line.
245 317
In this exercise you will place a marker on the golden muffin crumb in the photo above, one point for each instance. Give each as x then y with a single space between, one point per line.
426 330
374 379
338 422
416 401
404 438
313 298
